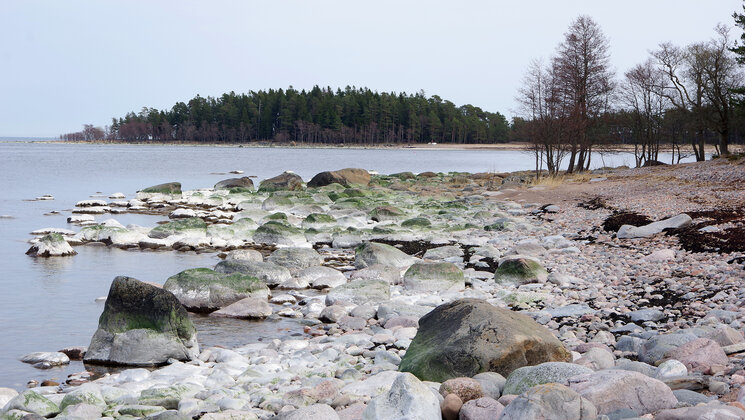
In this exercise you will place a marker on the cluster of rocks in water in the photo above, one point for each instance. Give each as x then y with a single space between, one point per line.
493 312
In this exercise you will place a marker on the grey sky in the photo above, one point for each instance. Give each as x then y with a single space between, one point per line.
65 63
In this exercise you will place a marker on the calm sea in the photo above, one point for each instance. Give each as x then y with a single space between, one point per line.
48 304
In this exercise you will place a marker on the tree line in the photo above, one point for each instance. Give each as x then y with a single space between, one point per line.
679 95
320 115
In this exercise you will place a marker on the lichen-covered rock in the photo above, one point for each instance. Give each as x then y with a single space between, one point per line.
524 378
141 325
614 390
189 226
469 336
236 184
371 253
206 290
32 402
408 398
270 273
278 233
345 177
285 182
550 401
51 245
360 292
520 271
318 221
434 277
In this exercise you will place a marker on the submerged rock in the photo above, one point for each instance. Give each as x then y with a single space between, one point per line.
141 325
469 336
51 245
206 290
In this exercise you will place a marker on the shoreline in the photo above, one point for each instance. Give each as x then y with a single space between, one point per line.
601 292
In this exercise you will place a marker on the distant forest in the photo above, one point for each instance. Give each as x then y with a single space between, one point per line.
320 115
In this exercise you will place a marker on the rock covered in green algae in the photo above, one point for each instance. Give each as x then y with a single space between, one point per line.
206 290
416 222
520 271
469 336
172 189
278 233
190 226
268 272
384 213
142 325
434 277
32 402
51 245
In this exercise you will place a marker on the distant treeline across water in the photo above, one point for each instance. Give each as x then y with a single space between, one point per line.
320 115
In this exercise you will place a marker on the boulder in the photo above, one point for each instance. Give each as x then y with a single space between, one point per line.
481 409
206 290
141 325
450 407
492 383
524 378
345 177
248 308
311 412
675 222
614 390
45 359
287 181
384 213
434 277
391 275
321 277
408 398
193 226
699 355
654 349
296 259
550 401
371 253
243 183
520 271
51 245
270 273
469 336
245 255
360 292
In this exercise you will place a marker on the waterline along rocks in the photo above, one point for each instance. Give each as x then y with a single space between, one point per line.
432 296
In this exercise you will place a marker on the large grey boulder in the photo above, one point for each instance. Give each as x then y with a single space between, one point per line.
615 390
311 412
480 409
470 336
33 402
550 401
407 399
243 183
270 273
51 245
371 253
286 181
630 232
654 349
321 277
206 290
296 259
141 325
526 377
519 270
434 277
248 308
712 410
346 177
278 233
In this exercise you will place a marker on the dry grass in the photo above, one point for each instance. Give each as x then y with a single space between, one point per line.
555 181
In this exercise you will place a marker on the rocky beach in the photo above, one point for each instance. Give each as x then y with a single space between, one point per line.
612 295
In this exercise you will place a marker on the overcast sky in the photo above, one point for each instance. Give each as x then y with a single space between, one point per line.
65 63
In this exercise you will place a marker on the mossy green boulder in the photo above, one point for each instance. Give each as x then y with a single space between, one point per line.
32 402
189 226
278 233
520 270
142 325
416 222
205 290
384 213
434 277
167 188
469 336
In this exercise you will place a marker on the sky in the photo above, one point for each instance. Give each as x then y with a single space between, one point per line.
66 63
